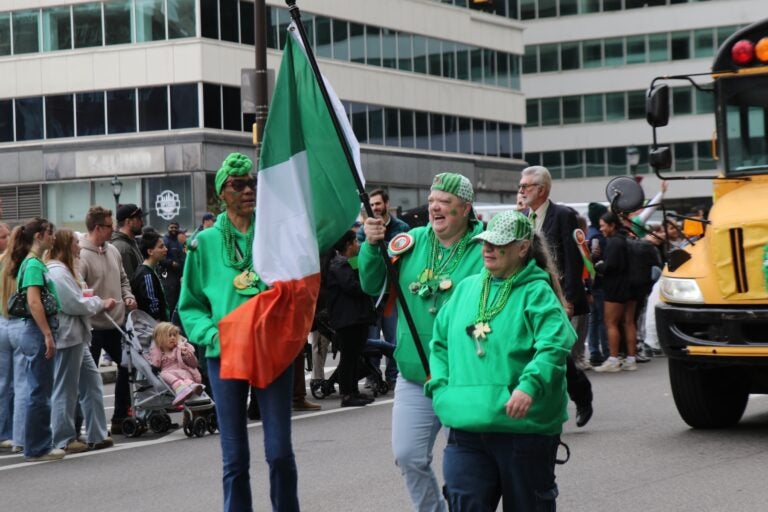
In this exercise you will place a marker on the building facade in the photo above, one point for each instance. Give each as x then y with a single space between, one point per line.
148 91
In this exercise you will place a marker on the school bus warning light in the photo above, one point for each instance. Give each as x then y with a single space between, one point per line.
743 52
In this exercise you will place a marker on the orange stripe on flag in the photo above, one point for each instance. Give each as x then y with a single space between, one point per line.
263 336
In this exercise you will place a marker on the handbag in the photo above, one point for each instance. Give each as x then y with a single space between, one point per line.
17 302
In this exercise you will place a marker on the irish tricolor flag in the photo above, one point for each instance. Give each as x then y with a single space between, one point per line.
306 199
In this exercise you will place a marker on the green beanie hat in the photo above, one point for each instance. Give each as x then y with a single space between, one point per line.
455 184
236 164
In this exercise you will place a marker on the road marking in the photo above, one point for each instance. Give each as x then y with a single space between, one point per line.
177 436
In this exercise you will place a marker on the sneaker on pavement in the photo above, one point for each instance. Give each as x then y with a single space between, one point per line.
17 449
629 366
100 445
75 447
55 454
610 365
6 444
641 358
305 405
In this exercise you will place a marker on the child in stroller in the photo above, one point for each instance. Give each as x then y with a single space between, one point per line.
175 358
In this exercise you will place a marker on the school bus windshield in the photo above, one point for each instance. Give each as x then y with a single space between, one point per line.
744 99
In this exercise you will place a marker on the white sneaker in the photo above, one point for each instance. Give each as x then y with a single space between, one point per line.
629 366
55 454
610 365
7 444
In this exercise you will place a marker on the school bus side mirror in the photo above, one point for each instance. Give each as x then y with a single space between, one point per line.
657 105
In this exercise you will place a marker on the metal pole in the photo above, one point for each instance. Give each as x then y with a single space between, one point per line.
260 47
391 270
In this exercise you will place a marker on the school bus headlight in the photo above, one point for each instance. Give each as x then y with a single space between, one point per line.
681 290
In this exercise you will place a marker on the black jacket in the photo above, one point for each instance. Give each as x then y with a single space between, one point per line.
150 296
558 227
347 303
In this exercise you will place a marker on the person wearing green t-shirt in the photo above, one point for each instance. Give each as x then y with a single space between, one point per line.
500 344
431 260
37 336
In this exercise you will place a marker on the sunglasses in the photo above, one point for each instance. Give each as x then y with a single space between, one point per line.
239 185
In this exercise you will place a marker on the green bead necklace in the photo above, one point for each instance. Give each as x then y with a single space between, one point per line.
232 255
436 277
486 312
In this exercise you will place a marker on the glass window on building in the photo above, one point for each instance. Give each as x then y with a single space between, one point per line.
389 48
636 51
615 106
515 62
553 161
704 43
181 19
569 7
681 45
594 111
375 125
462 62
404 51
704 160
357 43
548 57
550 111
547 8
228 21
212 106
420 54
658 47
391 127
230 100
570 57
246 27
527 9
6 120
324 41
489 67
573 164
59 116
587 6
517 142
595 162
571 109
636 104
478 137
153 108
372 45
682 100
724 33
57 33
505 141
121 111
705 102
491 138
592 53
451 124
465 136
533 158
406 128
436 133
168 199
209 21
449 59
90 113
340 40
532 112
118 22
683 156
476 56
86 19
150 20
283 22
184 109
26 31
29 118
614 51
5 33
612 5
434 57
67 203
617 161
359 113
531 59
422 130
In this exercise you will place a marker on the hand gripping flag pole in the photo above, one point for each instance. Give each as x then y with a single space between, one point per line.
391 270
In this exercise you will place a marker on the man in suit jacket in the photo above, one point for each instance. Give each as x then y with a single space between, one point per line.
557 223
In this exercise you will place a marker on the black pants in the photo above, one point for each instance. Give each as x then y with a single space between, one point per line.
109 340
579 387
351 341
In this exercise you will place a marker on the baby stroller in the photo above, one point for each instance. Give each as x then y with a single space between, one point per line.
151 398
366 368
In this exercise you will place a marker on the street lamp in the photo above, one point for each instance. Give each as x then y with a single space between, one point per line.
633 159
117 188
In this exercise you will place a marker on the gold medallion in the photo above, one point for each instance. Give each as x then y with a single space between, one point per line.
245 279
446 284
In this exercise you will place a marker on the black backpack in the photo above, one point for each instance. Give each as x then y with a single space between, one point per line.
644 265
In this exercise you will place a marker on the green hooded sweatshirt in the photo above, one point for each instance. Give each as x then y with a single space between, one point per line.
410 265
526 350
207 293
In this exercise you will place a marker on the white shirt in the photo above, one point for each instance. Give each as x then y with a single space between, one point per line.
540 213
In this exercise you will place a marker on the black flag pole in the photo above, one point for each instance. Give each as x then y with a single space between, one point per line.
391 270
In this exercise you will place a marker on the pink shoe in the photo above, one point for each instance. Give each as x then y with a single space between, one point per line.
182 394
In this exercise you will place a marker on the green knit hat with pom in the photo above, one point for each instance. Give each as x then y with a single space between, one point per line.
236 164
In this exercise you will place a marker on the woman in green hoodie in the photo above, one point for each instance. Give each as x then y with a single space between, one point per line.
500 344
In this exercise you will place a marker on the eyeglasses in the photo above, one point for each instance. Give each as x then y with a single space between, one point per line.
524 186
239 185
109 226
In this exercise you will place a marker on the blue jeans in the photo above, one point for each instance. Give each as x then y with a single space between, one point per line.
388 326
598 337
480 468
414 430
6 382
275 405
37 427
20 385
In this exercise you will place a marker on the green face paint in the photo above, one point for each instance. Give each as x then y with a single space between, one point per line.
502 252
453 212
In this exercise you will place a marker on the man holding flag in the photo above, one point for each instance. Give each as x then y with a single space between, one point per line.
250 286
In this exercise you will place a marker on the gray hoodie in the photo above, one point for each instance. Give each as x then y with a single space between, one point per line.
74 326
102 270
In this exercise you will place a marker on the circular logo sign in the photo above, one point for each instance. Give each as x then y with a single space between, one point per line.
167 204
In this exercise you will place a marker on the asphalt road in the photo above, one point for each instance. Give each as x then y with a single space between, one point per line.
635 455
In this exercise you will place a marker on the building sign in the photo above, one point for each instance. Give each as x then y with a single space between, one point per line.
108 162
167 204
